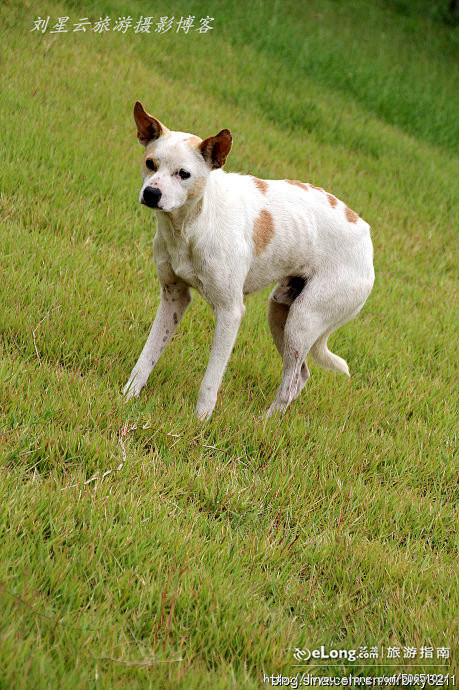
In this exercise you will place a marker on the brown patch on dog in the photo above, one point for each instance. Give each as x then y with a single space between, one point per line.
319 189
193 139
298 184
263 231
150 171
197 189
351 215
261 184
332 199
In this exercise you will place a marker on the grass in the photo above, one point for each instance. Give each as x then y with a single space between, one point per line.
132 536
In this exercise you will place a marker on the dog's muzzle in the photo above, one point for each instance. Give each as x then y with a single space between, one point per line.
151 196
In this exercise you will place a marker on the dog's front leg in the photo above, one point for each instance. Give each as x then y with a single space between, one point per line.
227 321
174 301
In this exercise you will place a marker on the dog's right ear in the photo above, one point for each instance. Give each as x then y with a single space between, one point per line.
148 127
215 149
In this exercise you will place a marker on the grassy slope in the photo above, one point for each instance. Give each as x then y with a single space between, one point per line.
227 544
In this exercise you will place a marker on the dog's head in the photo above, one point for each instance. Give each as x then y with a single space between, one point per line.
176 165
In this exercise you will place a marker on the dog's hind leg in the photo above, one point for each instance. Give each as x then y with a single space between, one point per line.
324 304
277 316
280 301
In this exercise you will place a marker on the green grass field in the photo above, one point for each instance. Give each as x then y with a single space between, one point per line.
140 549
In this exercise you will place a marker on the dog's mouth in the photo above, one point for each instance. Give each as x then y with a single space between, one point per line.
152 206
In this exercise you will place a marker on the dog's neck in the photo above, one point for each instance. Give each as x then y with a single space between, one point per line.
186 214
181 217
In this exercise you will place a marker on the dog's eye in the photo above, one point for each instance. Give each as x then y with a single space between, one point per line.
150 164
184 174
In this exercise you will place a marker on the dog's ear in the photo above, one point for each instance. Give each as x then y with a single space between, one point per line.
148 127
215 149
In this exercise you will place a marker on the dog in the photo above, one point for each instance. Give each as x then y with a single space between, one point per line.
228 235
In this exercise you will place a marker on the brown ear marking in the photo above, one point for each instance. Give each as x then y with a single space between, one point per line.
215 149
148 127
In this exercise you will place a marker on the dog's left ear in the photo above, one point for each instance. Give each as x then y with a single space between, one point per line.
148 127
216 149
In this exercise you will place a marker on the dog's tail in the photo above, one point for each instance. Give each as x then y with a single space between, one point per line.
322 355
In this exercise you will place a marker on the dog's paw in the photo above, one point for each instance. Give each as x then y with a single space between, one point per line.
202 414
205 404
133 387
276 409
203 411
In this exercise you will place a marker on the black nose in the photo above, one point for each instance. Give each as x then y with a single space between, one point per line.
151 196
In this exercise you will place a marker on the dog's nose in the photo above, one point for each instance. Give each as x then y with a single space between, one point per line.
151 196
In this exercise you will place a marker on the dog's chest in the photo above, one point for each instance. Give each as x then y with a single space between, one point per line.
181 259
184 269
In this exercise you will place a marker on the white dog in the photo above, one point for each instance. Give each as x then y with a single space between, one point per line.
228 235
